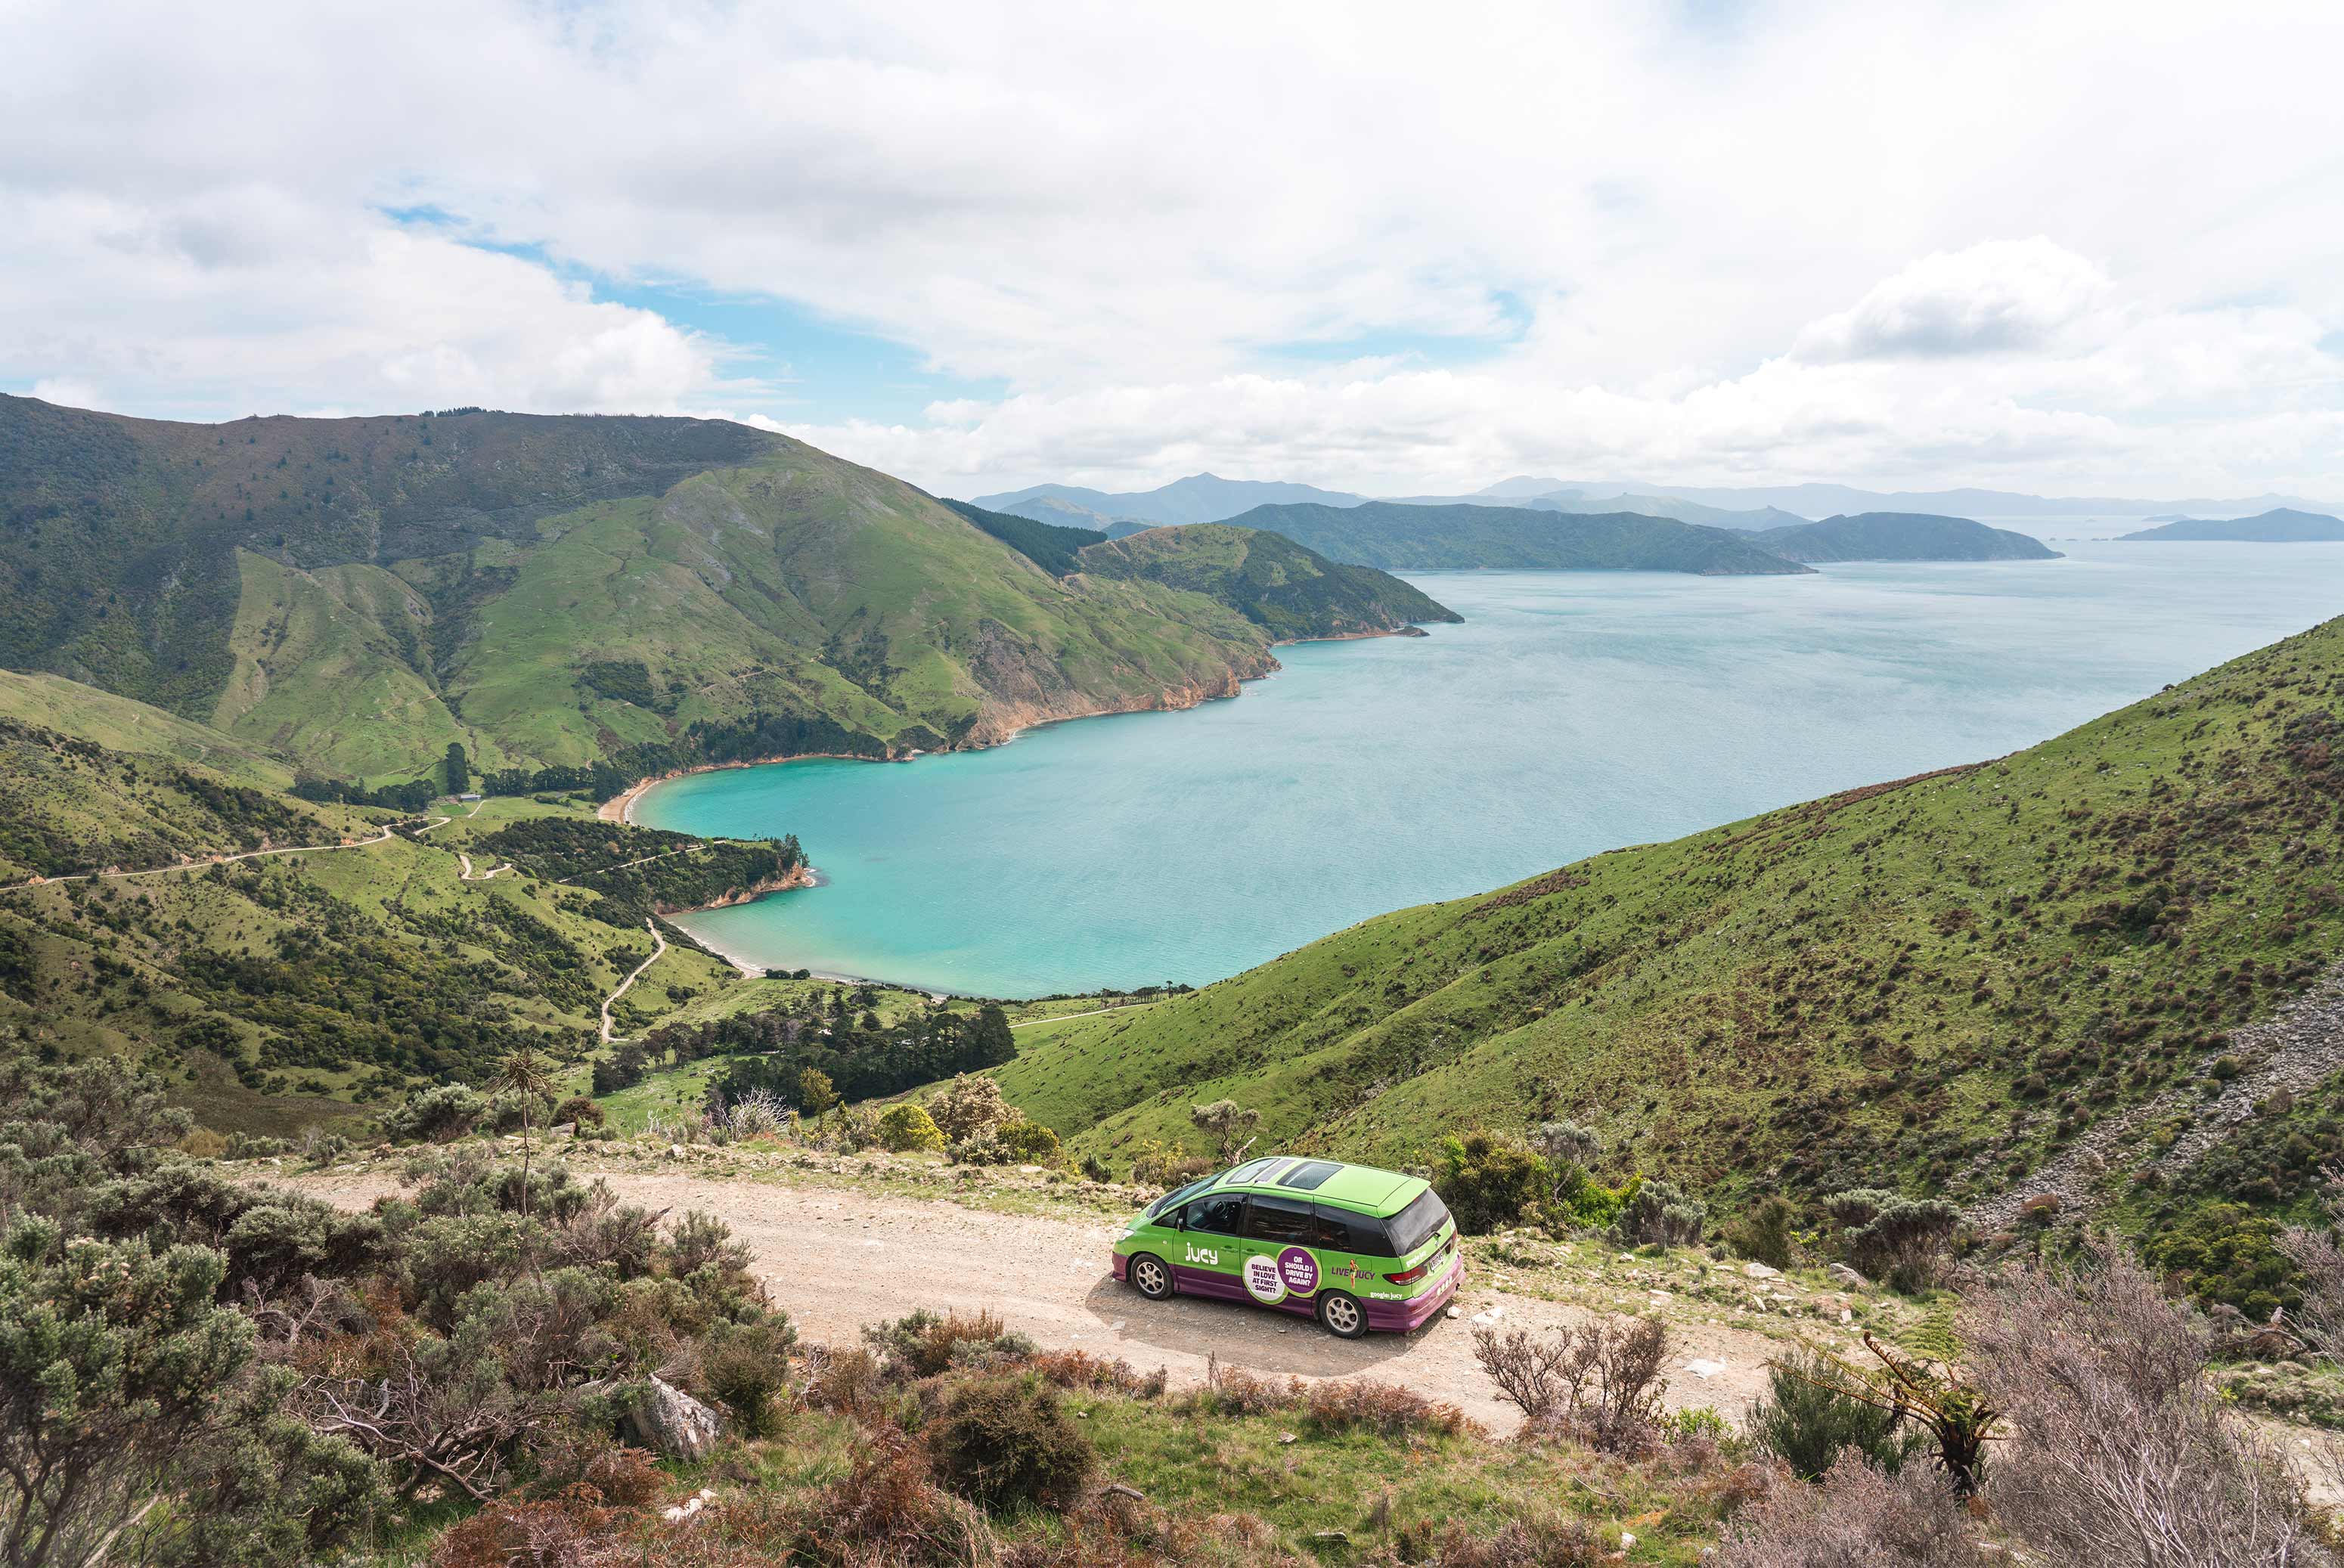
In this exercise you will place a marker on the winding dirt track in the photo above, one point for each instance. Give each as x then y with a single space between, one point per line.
837 1259
659 946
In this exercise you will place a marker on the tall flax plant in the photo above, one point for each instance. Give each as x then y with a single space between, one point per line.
526 1078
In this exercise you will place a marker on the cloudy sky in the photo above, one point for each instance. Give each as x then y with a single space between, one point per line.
2066 247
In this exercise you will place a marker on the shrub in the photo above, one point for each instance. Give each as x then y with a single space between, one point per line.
925 1343
1361 1403
1657 1215
438 1114
1906 1243
756 1114
1763 1232
1082 1369
744 1365
1858 1515
907 1129
1807 1421
1158 1164
203 1143
1599 1382
1489 1181
967 1105
1028 1142
578 1112
1543 1539
847 1380
1225 1121
121 1379
1006 1442
700 1240
2117 1439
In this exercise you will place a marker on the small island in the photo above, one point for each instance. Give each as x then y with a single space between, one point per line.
1899 536
2281 525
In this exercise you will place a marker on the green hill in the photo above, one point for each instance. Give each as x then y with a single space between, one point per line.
1398 537
289 989
1937 981
1899 536
2281 525
1289 591
359 594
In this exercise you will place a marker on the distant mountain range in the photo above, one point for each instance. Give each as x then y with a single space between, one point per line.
1901 536
1399 536
1206 497
2281 525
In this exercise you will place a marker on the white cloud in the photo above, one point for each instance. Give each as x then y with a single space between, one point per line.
2087 242
1995 298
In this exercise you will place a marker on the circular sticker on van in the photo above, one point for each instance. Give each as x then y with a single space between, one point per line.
1299 1270
1264 1281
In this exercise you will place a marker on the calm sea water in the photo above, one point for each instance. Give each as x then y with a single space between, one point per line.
1572 713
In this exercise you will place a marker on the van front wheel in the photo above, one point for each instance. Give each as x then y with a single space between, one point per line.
1150 1276
1343 1315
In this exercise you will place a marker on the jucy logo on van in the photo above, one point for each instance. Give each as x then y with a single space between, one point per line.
1354 1246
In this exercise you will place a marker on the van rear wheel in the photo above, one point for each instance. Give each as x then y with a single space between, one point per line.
1343 1315
1150 1276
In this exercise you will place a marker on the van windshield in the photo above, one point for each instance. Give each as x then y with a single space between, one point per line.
1174 1198
1419 1223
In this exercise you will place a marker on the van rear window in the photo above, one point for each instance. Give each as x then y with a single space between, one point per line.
1419 1223
1342 1230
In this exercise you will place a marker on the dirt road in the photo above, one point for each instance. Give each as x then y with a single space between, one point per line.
839 1258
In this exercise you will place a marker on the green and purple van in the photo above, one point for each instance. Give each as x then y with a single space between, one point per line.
1355 1247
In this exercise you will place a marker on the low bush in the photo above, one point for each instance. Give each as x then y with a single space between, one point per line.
746 1366
1807 1421
1600 1382
1857 1516
1658 1215
1906 1244
1490 1181
1099 1374
1007 1442
908 1129
1363 1404
967 1105
436 1114
923 1344
1764 1232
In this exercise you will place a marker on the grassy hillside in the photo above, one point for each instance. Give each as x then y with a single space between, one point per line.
1289 591
286 990
359 594
1292 592
1938 981
1398 537
1901 536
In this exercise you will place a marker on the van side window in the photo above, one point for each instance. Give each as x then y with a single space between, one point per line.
1342 1230
1221 1216
1281 1220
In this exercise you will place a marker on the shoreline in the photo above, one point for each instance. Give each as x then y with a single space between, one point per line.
620 807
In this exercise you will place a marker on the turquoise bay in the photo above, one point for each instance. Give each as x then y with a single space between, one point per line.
1572 713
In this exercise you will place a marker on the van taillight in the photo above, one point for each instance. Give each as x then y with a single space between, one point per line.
1409 1276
